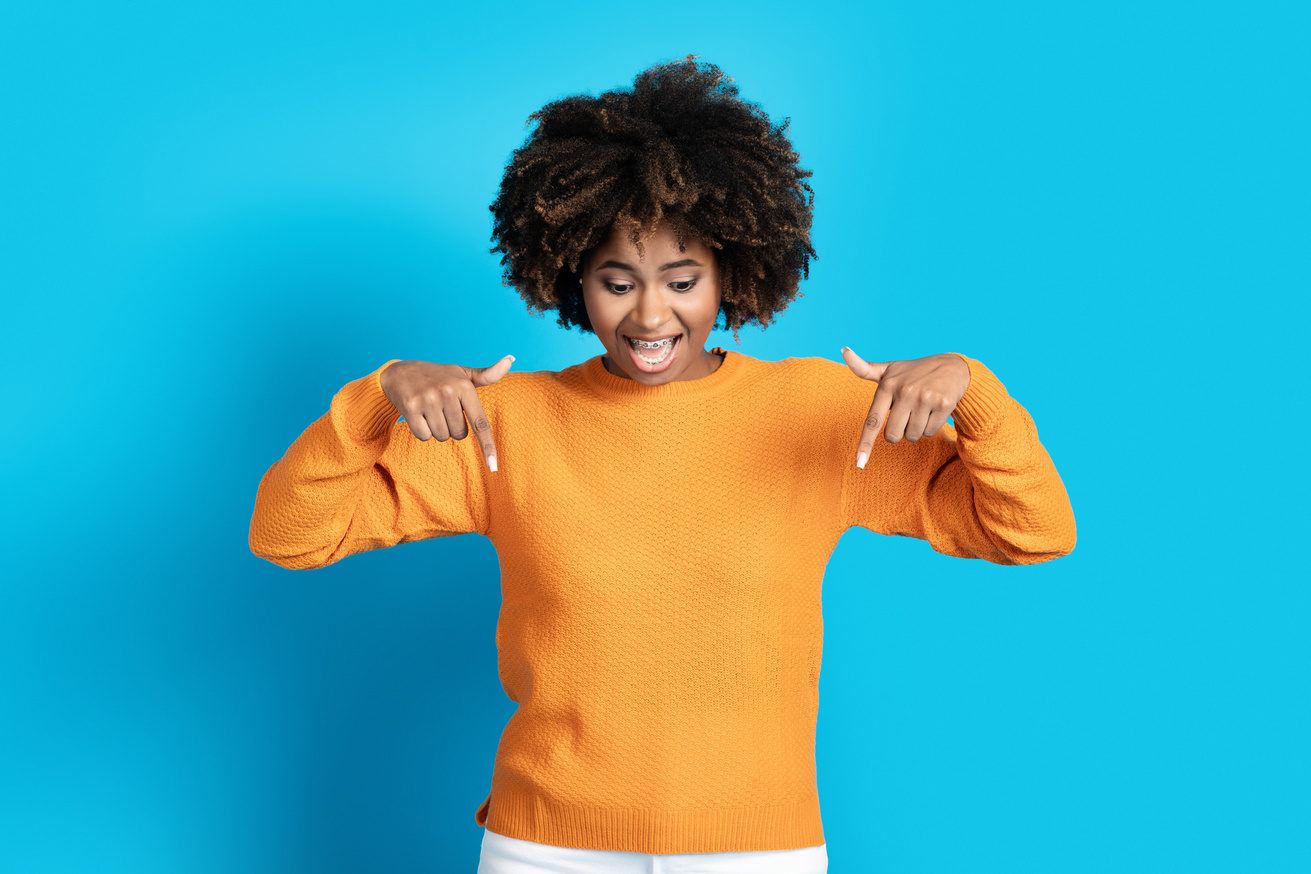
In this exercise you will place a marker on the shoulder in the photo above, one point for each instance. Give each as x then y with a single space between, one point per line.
535 391
520 386
812 388
814 368
819 376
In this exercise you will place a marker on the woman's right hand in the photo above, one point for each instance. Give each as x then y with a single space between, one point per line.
436 398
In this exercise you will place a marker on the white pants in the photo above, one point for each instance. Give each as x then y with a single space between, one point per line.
503 855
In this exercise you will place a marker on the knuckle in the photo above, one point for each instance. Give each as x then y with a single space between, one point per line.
447 391
481 425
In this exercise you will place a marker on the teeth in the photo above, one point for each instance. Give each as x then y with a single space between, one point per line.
664 345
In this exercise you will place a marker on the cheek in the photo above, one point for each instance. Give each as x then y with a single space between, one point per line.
602 317
710 310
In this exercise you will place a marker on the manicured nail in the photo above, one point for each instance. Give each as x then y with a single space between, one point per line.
491 462
860 460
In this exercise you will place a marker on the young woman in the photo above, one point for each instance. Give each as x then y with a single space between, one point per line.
662 513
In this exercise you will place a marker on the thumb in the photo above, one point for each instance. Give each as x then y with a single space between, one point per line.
862 368
480 376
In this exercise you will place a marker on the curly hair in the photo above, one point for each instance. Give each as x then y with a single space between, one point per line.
680 147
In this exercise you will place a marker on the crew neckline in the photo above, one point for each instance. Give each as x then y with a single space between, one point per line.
606 383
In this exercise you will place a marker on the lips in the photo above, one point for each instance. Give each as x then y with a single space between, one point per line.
645 366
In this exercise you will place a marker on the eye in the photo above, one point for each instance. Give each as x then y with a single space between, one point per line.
617 287
683 285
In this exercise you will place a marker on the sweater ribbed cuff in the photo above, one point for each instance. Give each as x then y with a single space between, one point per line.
364 408
985 402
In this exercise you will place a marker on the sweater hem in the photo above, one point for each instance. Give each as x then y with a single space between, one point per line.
645 830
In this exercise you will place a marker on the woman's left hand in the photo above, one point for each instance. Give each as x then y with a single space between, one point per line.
915 397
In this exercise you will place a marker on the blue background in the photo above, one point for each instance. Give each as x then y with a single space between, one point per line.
215 215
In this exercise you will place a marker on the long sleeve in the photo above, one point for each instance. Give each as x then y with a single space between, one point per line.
985 489
356 479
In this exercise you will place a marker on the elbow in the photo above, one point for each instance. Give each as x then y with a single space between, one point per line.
291 563
1050 542
1032 540
284 556
1065 534
307 562
1054 550
1066 544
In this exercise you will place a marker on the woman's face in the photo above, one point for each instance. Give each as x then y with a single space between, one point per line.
665 297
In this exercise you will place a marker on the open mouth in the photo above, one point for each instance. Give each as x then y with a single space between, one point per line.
653 356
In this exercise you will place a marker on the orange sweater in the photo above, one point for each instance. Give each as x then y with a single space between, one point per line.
661 552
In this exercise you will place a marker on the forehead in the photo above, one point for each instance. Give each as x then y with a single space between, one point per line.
657 245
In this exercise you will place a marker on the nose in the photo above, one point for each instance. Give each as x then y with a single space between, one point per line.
652 311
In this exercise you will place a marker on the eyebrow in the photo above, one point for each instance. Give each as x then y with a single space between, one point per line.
686 262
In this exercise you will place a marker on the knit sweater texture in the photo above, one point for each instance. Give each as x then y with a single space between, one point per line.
662 550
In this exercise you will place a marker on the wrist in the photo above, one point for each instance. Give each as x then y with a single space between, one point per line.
984 403
385 378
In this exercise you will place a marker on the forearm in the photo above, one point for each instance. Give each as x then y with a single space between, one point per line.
1018 497
311 501
985 488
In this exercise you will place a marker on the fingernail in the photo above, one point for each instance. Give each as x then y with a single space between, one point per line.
860 460
491 462
511 357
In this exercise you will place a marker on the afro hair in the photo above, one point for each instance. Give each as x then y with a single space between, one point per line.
680 147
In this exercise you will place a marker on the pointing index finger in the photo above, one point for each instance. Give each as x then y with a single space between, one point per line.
878 412
481 428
